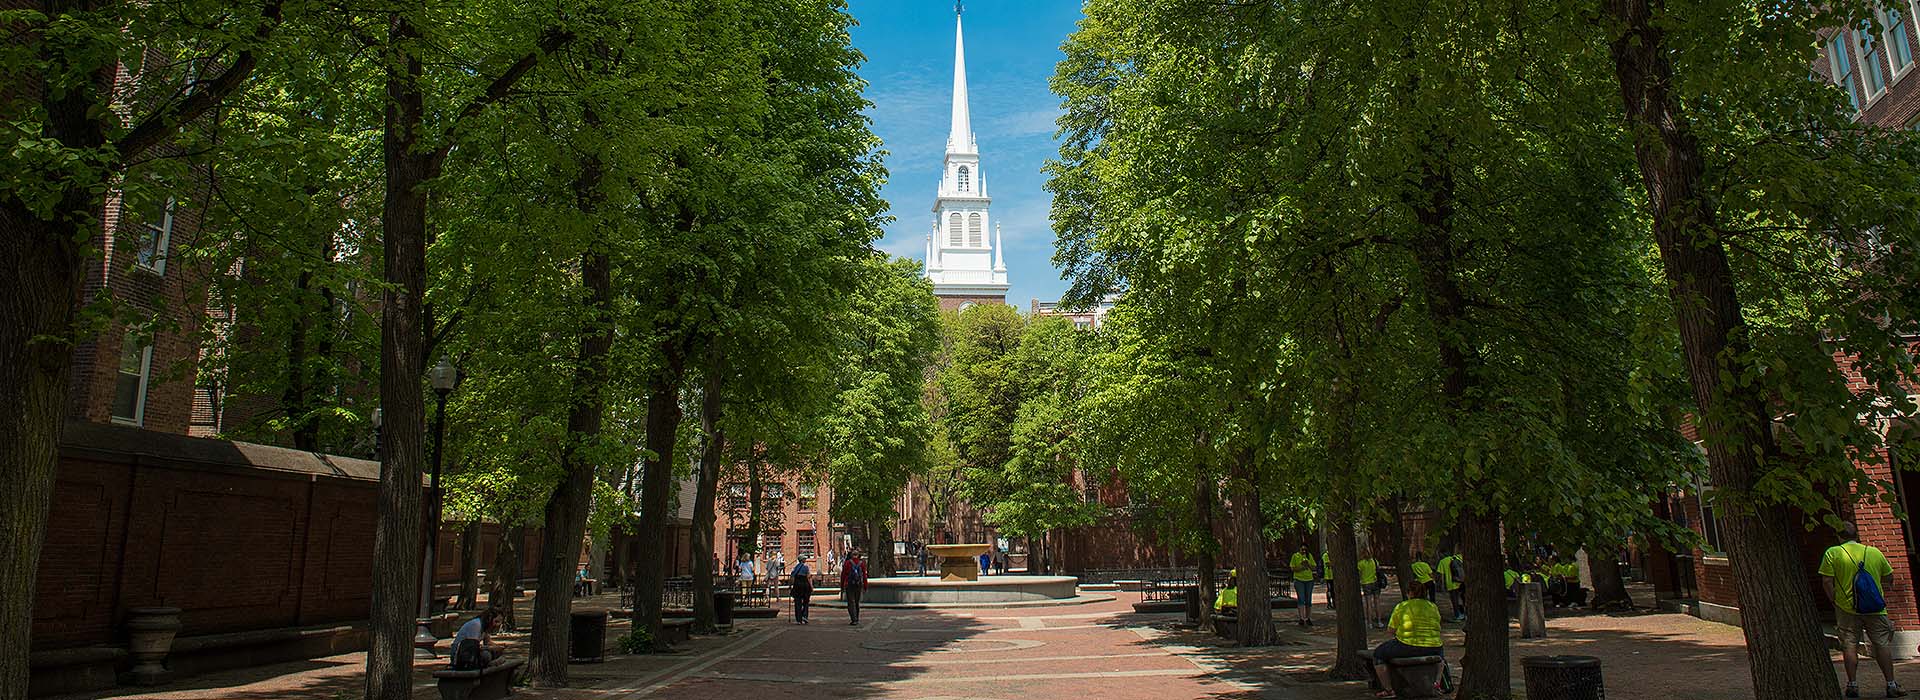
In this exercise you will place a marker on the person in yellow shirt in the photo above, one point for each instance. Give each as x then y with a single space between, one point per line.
1370 585
1856 615
1415 627
1228 602
1303 565
1422 573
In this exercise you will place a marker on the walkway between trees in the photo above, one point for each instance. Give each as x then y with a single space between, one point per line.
1088 652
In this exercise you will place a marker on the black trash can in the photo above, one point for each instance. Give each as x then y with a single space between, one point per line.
1564 678
723 607
1192 594
587 638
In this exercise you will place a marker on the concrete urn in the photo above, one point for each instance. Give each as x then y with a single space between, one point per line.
150 633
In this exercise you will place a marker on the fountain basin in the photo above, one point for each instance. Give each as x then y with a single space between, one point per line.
927 590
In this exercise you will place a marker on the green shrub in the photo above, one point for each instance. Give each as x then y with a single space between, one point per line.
636 642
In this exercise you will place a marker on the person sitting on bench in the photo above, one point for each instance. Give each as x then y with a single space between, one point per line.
1228 602
473 647
1415 626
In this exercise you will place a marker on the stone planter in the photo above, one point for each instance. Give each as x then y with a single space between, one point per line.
150 634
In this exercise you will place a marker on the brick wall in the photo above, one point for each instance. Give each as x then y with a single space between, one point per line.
953 302
238 536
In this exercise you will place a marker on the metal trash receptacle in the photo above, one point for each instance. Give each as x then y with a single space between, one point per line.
1564 678
587 637
1192 595
723 607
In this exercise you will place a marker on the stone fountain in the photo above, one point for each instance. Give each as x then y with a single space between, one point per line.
960 585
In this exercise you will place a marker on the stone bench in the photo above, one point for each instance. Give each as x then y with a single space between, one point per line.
1413 678
494 681
675 630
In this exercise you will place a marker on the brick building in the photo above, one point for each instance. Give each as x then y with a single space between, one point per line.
1873 65
796 519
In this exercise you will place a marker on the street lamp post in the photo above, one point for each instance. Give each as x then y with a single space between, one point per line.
442 376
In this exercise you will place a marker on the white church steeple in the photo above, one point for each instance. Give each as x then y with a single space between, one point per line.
963 253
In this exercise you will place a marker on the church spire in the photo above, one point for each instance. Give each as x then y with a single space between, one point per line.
960 139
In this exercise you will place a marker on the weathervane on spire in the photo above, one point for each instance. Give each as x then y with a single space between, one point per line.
958 7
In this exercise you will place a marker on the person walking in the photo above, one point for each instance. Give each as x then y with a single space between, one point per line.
1855 577
986 564
1370 586
1303 565
1422 573
800 584
746 569
853 584
1452 574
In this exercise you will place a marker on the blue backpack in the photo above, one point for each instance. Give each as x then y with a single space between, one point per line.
1867 598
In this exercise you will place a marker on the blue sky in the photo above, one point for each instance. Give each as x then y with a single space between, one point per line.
1012 46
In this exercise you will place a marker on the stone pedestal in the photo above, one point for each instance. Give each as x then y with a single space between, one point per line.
959 562
1533 610
150 633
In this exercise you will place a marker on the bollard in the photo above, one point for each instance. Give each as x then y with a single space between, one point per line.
1533 610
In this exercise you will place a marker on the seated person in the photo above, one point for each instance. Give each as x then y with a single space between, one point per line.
1228 602
1415 626
473 647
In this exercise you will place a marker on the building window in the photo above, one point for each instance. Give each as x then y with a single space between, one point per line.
804 539
976 237
1842 66
809 497
1082 323
964 178
1899 44
736 497
150 251
1709 522
130 387
1873 73
953 230
771 541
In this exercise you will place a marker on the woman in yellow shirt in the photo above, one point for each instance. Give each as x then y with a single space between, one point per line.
1415 626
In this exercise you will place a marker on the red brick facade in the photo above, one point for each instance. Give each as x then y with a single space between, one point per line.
955 301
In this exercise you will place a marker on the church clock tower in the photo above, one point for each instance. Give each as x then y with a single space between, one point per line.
963 251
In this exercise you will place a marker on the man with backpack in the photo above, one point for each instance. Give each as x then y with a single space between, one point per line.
1453 575
1855 576
853 585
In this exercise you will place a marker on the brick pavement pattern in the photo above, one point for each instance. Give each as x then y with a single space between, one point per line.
1086 652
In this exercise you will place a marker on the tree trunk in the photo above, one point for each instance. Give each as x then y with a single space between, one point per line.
566 512
505 588
1351 617
295 399
1786 653
1255 627
44 273
706 492
397 531
1609 590
1204 497
469 566
656 488
1402 552
1485 667
880 560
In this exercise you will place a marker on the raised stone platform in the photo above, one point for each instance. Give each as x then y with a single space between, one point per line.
990 589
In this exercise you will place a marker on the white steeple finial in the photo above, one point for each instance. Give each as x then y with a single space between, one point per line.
999 263
960 139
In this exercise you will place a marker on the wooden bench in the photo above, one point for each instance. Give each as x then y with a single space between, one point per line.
494 681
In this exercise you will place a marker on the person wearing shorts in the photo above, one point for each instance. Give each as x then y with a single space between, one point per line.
1838 567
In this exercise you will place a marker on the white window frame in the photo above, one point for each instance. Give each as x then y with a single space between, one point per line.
1861 40
1838 53
956 229
1886 38
140 396
963 177
976 230
160 245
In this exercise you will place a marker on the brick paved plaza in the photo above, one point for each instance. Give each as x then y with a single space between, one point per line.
1101 651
